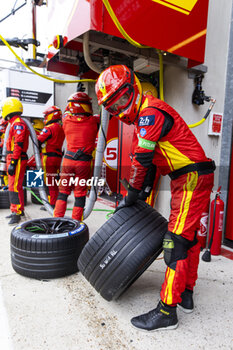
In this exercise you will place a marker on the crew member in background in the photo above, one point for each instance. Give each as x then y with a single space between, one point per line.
3 174
3 126
17 145
165 140
51 140
80 127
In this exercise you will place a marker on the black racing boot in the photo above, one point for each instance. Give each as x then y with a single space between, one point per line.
186 304
163 317
10 216
15 219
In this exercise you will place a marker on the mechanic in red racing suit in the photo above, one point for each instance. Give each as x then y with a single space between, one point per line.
51 140
17 145
3 126
165 140
80 128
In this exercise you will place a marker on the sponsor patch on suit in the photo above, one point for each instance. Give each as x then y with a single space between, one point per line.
18 127
146 120
143 132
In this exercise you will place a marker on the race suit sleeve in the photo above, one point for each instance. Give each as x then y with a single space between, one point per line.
45 135
19 134
149 129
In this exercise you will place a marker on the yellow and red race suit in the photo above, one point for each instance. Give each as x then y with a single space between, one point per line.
80 132
3 126
165 140
17 145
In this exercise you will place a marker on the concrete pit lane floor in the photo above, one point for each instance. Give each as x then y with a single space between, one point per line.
68 314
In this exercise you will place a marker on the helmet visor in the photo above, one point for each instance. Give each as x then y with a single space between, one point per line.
120 101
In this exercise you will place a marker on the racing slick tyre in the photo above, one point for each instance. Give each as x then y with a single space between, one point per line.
122 249
47 248
5 200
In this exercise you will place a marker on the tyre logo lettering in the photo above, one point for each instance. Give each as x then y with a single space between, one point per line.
108 259
79 229
57 235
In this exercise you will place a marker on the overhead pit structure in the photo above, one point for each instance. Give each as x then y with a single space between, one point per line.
176 27
86 37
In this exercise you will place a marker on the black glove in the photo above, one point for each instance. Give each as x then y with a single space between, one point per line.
148 182
128 200
12 166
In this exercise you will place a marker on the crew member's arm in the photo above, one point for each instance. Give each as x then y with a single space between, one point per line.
19 134
149 129
45 135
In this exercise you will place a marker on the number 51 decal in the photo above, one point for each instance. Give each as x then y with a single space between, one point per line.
111 153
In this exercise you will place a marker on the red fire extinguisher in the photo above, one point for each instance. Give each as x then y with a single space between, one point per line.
216 223
202 231
215 227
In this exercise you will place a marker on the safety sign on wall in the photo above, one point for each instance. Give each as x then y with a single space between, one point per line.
215 124
28 95
35 93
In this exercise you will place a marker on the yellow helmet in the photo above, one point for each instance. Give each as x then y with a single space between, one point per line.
149 89
11 105
37 124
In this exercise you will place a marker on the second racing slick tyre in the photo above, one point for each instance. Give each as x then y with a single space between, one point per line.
47 248
122 249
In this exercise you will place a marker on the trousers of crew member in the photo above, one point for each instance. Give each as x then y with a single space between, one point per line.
51 140
190 195
74 176
52 167
15 182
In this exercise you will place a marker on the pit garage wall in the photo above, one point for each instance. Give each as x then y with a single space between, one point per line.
178 89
